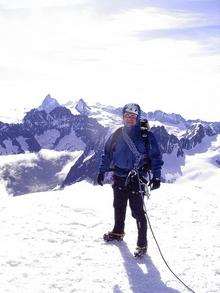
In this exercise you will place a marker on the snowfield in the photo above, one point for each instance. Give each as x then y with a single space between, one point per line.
52 241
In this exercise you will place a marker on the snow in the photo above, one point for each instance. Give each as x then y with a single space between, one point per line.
90 155
52 242
98 112
172 165
199 163
14 115
208 142
104 117
190 133
202 165
179 130
9 159
71 105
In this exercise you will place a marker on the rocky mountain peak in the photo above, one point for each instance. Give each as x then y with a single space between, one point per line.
82 107
48 104
161 116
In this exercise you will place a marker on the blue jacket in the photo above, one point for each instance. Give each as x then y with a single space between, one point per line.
118 157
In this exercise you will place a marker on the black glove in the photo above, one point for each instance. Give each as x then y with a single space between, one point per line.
100 179
154 183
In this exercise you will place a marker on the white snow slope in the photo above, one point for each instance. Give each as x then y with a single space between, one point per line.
52 242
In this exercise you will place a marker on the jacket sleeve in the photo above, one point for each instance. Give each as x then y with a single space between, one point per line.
155 157
106 156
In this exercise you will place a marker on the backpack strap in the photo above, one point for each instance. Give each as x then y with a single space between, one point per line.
118 132
115 136
138 156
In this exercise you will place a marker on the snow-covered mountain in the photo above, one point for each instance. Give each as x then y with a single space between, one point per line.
176 135
78 107
48 104
77 126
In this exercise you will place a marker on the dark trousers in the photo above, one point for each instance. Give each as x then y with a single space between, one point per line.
122 194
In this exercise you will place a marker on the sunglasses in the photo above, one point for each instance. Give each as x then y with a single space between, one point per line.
130 115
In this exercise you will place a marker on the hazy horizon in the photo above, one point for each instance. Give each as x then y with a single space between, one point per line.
164 55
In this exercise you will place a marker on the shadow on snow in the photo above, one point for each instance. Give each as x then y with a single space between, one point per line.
139 281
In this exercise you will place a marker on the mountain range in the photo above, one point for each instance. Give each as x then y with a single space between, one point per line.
77 126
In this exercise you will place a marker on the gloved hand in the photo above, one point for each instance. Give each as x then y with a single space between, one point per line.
154 183
100 179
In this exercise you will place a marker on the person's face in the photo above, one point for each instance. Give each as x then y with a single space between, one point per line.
130 119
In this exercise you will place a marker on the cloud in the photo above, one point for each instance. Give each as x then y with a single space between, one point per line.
208 7
188 33
208 36
88 49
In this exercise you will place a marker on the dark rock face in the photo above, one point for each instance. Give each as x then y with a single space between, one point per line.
15 139
166 141
194 136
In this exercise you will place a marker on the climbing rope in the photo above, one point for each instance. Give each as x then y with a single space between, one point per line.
161 254
135 172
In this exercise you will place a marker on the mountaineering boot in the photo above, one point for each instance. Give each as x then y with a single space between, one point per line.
140 251
111 236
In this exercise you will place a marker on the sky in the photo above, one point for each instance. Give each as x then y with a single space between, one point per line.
164 55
